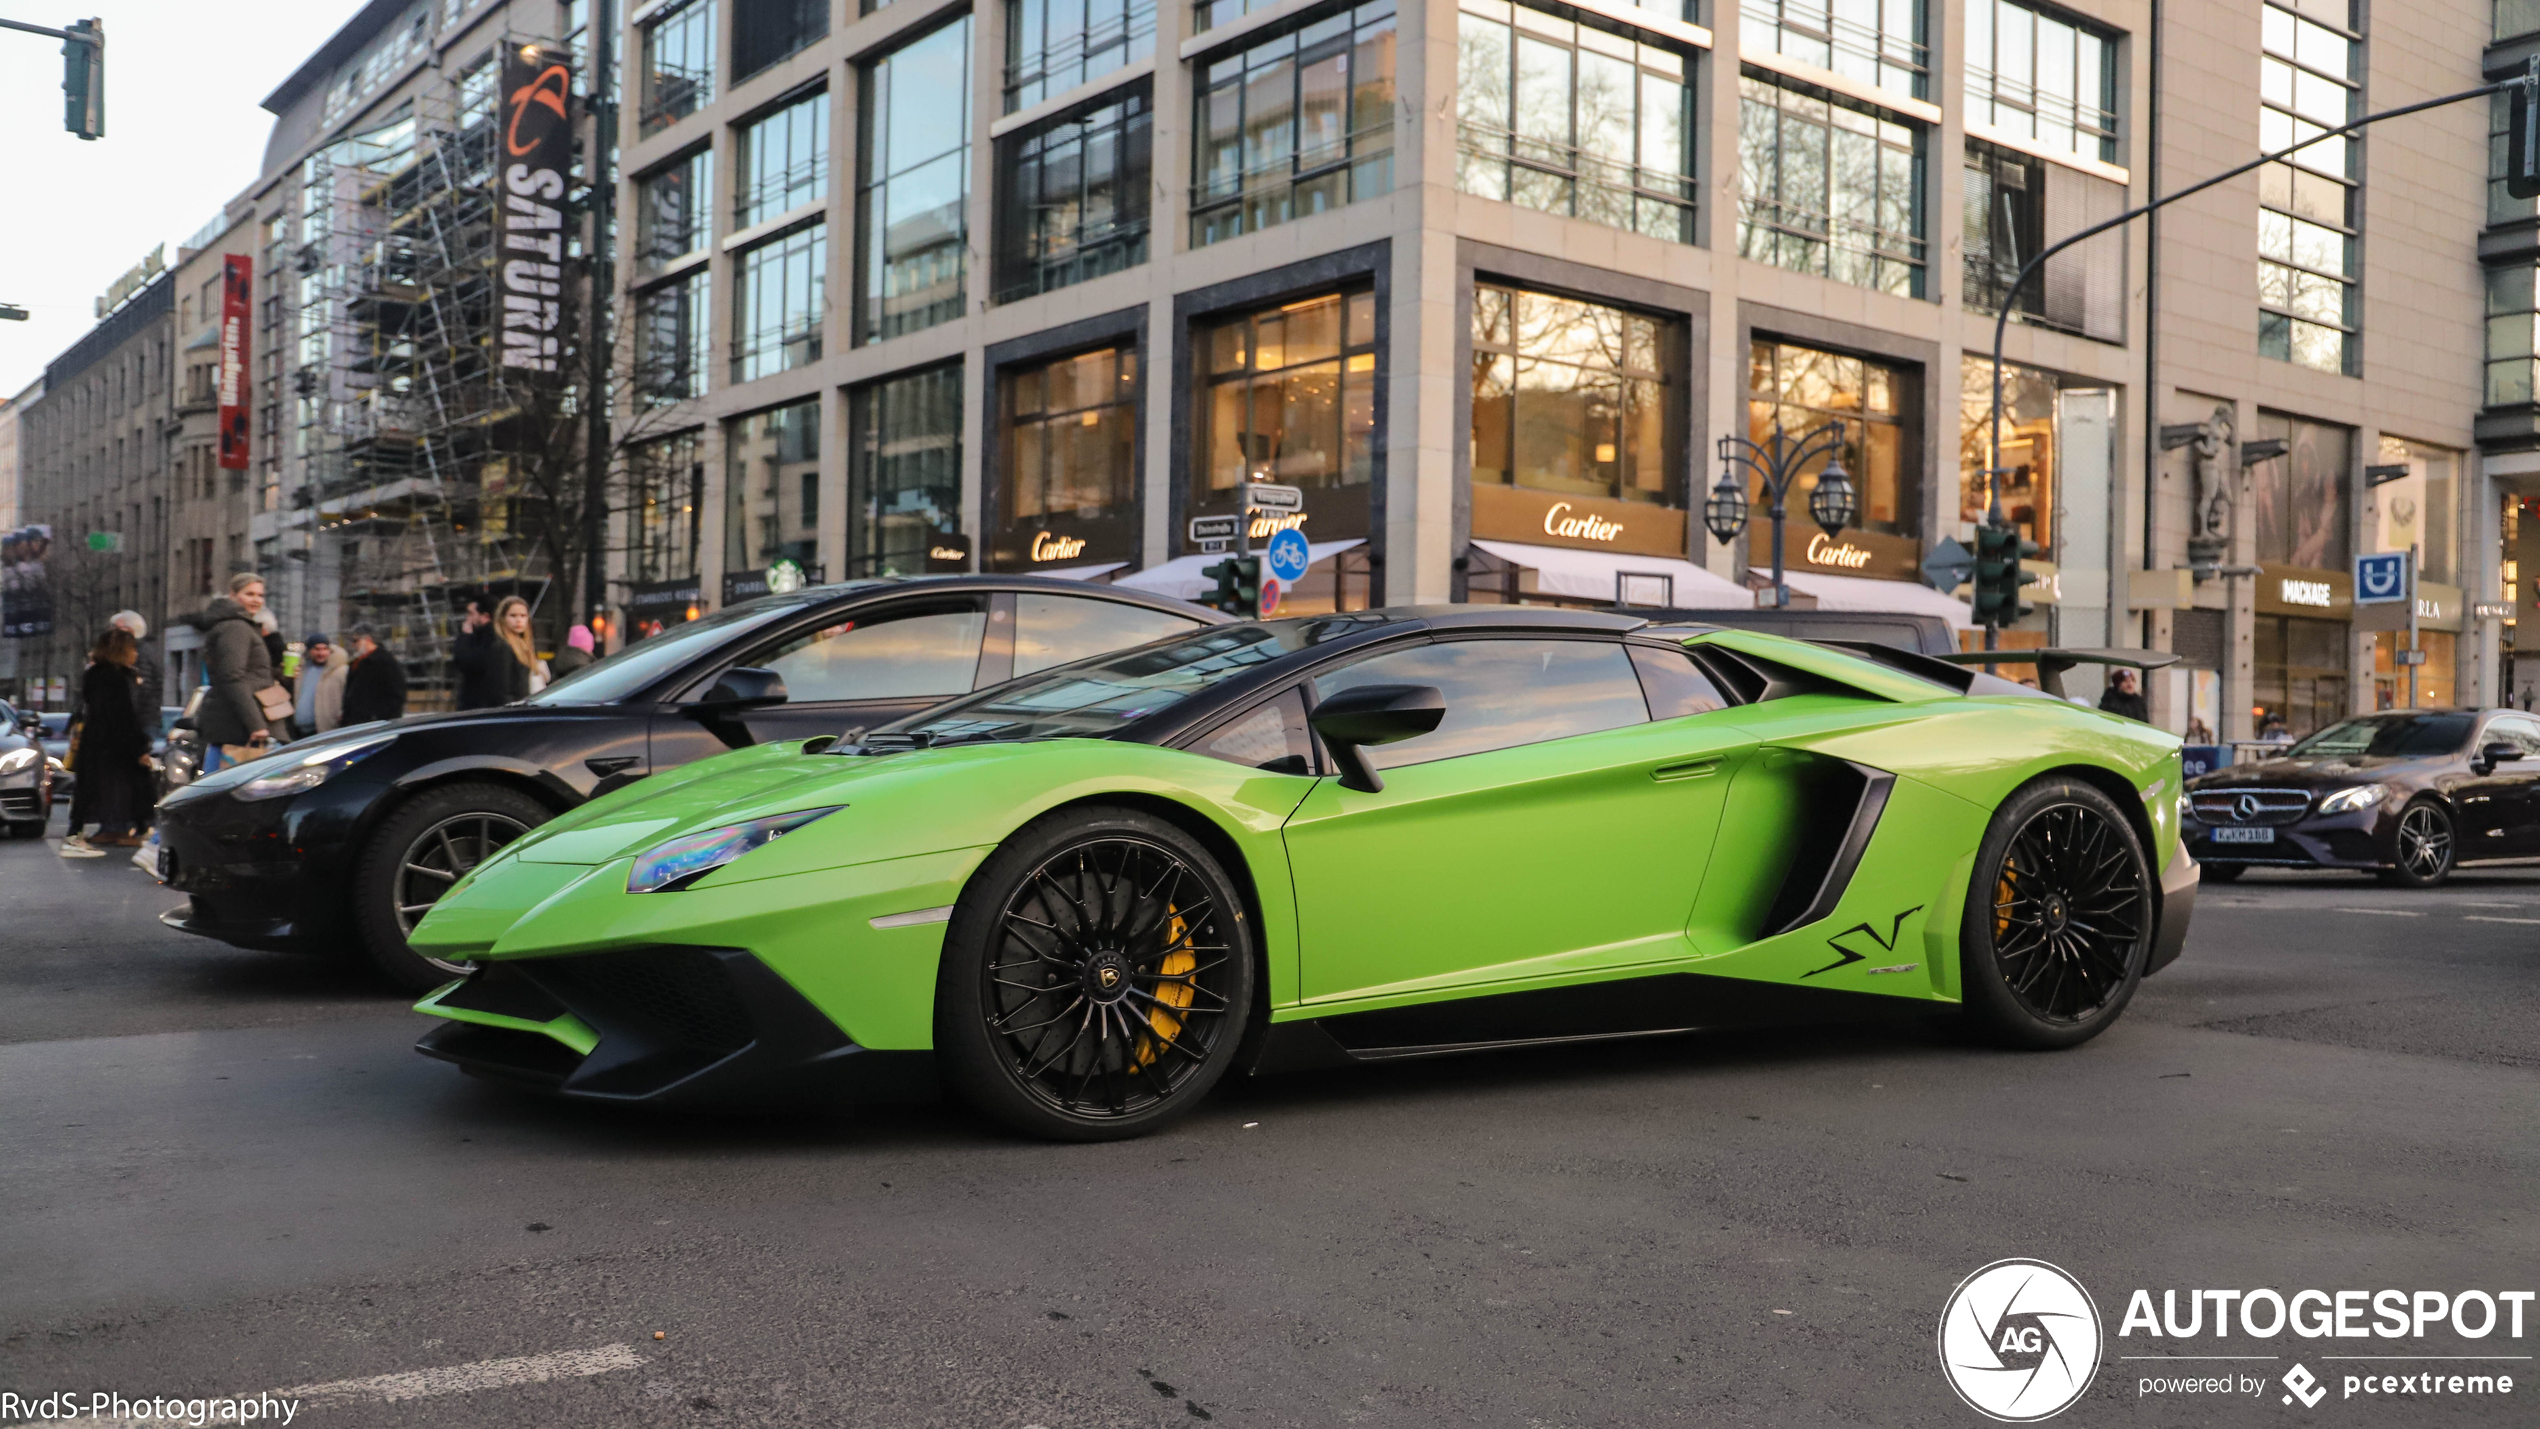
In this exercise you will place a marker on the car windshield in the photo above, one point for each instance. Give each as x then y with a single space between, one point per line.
641 664
1093 698
2411 736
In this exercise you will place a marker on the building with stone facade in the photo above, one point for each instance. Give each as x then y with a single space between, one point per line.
1026 285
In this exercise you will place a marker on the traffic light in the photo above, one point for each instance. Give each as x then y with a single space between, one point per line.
2522 132
1999 551
1238 591
84 79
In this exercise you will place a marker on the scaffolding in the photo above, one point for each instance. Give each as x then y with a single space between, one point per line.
411 441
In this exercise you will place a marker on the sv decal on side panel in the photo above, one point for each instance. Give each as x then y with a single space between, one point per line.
1886 945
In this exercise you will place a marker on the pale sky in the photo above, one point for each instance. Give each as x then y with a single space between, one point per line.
184 134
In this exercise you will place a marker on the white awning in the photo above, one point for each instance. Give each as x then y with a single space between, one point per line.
1891 597
1601 575
1180 577
1083 573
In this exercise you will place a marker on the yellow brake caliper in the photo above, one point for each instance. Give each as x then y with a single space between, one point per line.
1178 994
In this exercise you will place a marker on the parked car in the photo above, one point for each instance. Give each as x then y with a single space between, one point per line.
348 838
26 775
1079 897
2409 795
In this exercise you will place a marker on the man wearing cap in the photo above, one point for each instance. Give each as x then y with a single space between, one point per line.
374 683
321 697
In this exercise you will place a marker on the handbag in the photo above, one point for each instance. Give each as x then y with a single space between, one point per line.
275 701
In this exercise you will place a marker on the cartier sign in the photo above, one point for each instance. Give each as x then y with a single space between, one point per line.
1596 523
1049 547
1824 550
1850 552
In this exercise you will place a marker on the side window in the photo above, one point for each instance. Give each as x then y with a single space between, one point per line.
907 652
1676 686
1503 693
2520 732
1271 736
1061 629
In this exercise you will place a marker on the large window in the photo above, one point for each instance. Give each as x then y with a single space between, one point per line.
1802 388
674 208
671 337
2418 510
2014 204
1071 438
2040 77
1073 197
1571 119
2298 500
771 487
1502 693
904 477
1830 188
765 31
1876 42
2307 83
784 161
1295 125
2027 484
915 172
667 477
1288 395
1573 397
2513 335
678 74
1052 46
780 286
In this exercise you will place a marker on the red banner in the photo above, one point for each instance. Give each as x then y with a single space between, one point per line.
237 277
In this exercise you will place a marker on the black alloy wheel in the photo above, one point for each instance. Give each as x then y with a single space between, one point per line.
2422 847
418 854
1097 978
2059 917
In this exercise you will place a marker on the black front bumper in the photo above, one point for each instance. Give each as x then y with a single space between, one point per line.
269 874
676 1026
2331 841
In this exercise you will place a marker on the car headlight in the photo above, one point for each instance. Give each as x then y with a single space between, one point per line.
671 866
19 760
2345 801
309 772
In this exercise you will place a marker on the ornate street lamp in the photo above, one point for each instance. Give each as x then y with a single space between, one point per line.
1776 462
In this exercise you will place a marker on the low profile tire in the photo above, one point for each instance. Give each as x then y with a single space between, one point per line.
1096 979
2221 872
2423 846
2059 918
423 848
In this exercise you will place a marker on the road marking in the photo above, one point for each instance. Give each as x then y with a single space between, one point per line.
2380 912
424 1383
2475 903
2482 918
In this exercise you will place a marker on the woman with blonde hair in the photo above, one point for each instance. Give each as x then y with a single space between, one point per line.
500 659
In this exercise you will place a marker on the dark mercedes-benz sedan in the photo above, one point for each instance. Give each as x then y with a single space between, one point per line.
2410 795
345 840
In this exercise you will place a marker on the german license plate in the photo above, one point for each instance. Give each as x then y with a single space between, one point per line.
2244 836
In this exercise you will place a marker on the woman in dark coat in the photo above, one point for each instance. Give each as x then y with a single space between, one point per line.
114 751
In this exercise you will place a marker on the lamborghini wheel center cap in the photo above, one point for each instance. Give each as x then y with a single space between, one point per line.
2057 914
1106 977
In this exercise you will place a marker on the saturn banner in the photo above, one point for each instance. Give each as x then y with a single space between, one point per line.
537 156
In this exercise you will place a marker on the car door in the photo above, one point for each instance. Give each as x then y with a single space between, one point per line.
1548 825
868 666
2512 790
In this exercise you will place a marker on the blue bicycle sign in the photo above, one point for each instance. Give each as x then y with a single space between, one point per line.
1289 556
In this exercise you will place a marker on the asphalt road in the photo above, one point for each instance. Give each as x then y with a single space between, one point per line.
225 1172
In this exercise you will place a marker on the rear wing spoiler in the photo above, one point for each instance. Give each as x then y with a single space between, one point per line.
2051 663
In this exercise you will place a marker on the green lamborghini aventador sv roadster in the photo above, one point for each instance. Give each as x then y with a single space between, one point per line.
1079 899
